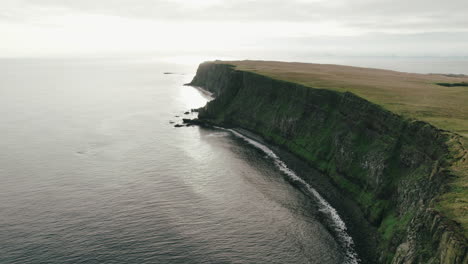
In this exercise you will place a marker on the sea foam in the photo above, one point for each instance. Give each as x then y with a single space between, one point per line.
337 223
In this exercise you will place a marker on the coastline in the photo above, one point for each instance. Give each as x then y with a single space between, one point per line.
394 168
361 232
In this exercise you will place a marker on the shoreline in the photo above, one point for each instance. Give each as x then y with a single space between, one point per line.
348 211
359 230
398 170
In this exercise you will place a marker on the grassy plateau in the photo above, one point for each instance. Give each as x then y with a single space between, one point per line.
438 99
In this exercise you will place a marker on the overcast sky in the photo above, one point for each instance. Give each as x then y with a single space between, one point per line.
234 27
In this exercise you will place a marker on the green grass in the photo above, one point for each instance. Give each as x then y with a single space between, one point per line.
453 84
454 204
391 225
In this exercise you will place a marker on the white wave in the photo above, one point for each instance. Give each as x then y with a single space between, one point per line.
338 224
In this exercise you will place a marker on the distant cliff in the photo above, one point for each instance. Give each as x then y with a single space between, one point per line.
393 167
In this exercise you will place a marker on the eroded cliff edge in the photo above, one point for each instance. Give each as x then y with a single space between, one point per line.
394 168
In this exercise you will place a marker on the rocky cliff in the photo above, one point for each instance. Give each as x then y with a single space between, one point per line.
393 167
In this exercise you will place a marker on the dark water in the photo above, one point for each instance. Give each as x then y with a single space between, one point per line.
91 171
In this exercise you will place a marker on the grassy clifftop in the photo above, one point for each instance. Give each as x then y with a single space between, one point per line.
361 128
419 96
439 99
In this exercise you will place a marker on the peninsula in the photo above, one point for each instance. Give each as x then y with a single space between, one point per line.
393 142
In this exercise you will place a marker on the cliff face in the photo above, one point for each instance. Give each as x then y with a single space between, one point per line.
392 167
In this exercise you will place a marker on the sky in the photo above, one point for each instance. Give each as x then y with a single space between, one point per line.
274 28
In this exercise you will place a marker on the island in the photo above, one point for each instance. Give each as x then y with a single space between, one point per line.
393 142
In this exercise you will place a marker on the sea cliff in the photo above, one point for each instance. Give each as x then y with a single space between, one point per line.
395 168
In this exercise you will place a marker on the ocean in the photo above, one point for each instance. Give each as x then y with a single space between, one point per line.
92 171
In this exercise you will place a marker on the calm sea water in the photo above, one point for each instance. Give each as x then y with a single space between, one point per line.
92 171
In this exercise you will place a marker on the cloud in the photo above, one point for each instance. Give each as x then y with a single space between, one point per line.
360 14
311 26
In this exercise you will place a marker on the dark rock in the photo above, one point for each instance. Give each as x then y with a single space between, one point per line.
455 75
189 121
178 125
196 121
186 113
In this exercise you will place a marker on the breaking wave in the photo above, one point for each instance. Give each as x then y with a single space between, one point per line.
337 223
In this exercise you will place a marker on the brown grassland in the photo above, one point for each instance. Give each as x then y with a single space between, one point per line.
409 94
